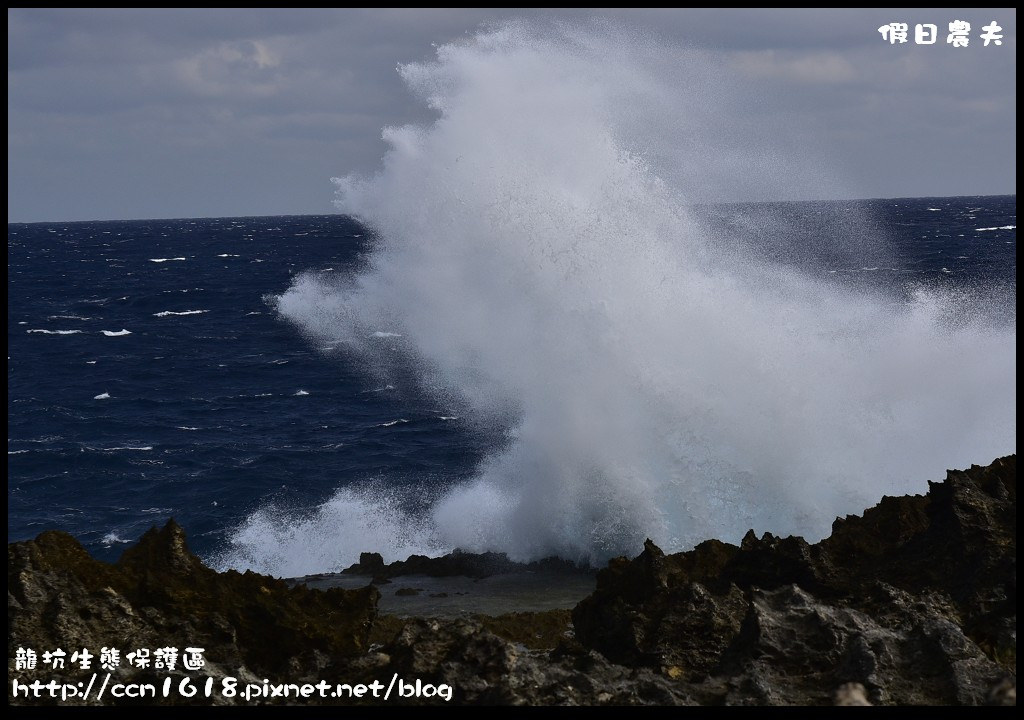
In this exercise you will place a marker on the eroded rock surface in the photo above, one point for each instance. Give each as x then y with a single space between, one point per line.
912 603
915 600
160 595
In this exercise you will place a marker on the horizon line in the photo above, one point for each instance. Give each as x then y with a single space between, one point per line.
320 215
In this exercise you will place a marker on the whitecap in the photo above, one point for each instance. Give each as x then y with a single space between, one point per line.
301 392
112 538
165 313
381 334
393 422
161 260
102 396
1002 227
55 332
44 438
117 333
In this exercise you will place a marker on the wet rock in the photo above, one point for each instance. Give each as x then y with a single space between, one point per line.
455 563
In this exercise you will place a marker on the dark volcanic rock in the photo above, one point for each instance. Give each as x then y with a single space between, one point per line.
916 600
794 648
641 614
160 595
457 562
485 669
912 603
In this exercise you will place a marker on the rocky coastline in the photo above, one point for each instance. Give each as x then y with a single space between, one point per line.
913 602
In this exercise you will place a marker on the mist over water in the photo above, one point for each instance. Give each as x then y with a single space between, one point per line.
537 266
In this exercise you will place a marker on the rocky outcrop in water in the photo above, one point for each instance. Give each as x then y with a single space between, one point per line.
913 602
455 563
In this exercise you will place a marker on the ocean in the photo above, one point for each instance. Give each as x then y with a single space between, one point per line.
227 373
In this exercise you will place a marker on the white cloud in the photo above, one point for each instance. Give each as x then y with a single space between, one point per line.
239 68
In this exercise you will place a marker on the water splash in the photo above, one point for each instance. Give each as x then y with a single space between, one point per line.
536 262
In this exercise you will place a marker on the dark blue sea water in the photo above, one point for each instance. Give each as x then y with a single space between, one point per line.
149 375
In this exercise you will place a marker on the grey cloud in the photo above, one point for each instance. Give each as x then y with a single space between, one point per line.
134 112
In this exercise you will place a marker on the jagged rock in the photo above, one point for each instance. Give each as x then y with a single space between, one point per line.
160 595
485 669
798 647
679 626
370 563
912 603
455 563
916 600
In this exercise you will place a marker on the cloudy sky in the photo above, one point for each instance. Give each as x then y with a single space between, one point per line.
121 114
